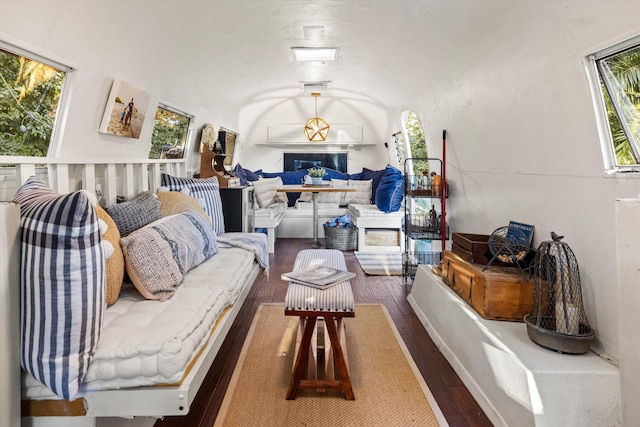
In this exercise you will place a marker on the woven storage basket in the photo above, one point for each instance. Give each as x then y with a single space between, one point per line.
341 238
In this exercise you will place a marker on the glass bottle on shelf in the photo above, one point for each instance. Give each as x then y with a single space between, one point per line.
425 181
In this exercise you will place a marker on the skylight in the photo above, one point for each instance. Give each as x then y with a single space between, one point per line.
319 54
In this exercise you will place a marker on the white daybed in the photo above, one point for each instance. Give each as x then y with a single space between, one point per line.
181 336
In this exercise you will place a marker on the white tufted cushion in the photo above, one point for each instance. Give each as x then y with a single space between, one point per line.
265 191
362 194
331 197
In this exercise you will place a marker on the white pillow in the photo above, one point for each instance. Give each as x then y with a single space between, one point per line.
333 197
304 197
265 191
362 195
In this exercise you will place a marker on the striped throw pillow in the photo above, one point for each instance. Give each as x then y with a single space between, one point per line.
206 190
62 284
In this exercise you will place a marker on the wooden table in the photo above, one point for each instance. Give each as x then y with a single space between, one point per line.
315 190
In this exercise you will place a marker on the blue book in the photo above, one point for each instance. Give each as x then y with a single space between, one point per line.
526 229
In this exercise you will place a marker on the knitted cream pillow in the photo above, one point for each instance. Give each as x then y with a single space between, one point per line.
114 262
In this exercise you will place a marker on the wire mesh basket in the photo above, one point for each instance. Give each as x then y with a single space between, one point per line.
412 259
341 238
557 320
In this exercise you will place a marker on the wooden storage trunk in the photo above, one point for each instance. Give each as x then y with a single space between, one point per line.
472 247
498 293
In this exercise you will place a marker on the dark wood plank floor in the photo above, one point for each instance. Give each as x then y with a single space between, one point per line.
455 401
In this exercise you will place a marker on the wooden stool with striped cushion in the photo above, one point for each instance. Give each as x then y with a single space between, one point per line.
326 365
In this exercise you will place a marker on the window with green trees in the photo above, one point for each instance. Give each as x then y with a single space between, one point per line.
31 90
417 146
618 72
170 133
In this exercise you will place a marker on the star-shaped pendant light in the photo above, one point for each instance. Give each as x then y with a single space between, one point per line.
316 129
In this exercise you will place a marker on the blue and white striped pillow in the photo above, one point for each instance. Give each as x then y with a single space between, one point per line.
62 283
207 190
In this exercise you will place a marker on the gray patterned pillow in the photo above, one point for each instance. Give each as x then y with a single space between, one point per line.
135 212
158 255
62 285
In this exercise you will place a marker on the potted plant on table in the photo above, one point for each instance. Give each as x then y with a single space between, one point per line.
316 175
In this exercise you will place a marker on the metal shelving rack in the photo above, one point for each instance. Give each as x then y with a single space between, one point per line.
425 208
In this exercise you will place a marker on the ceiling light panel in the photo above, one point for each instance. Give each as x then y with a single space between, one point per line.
319 54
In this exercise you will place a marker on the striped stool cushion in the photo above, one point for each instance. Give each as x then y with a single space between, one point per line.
338 298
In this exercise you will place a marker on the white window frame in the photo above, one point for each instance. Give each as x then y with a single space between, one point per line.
55 143
187 142
602 120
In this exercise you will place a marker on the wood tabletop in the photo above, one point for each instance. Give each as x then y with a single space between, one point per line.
313 189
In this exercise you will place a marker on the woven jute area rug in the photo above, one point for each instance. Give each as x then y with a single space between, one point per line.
388 388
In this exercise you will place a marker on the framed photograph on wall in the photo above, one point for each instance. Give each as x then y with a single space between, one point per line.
125 111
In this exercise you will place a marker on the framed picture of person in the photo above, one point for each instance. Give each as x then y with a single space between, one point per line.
125 111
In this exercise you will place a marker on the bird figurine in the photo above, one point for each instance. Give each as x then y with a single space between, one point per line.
555 237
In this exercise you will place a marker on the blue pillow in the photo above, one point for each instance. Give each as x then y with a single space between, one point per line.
239 172
334 174
390 190
356 176
375 177
253 176
289 177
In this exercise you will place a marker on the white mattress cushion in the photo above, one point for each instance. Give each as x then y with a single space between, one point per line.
323 205
372 211
271 211
229 272
147 342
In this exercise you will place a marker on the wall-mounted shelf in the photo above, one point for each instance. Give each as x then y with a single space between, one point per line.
307 144
339 134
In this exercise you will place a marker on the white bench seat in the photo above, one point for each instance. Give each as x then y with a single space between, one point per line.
368 219
270 218
515 381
